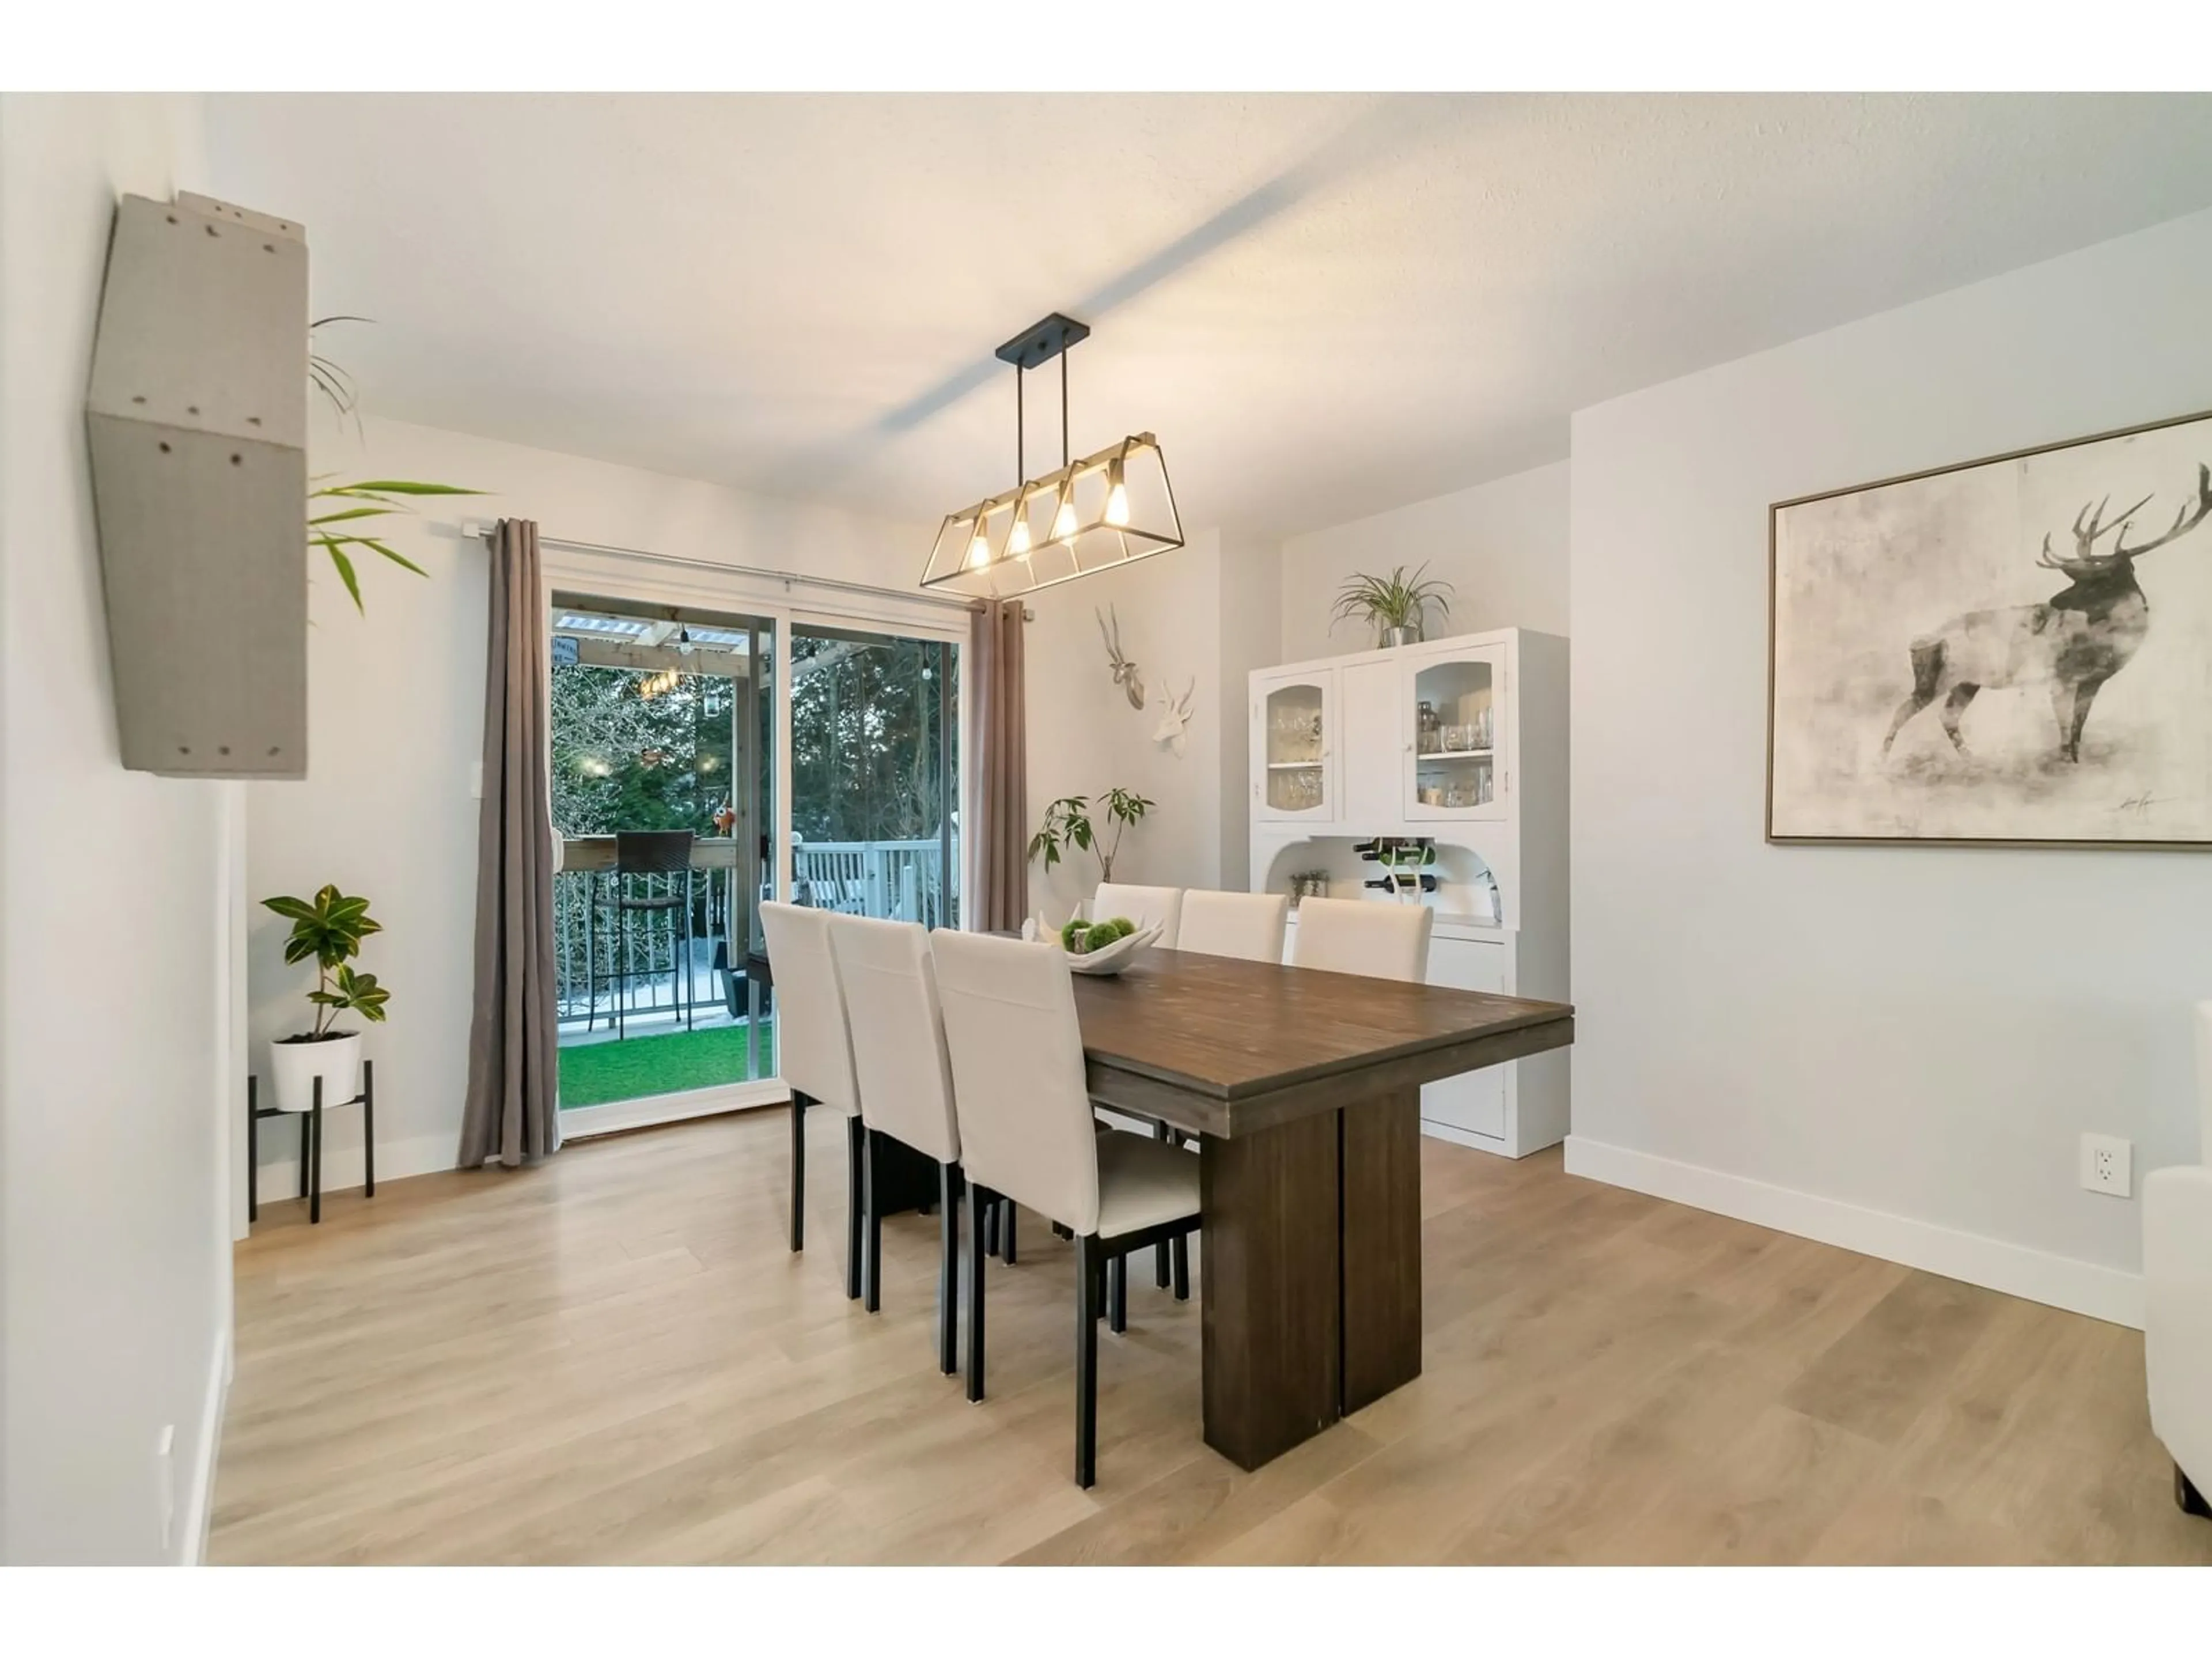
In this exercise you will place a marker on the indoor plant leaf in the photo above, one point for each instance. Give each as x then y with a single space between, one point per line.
396 558
410 487
345 571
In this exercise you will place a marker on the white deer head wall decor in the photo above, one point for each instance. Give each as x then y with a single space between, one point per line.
1174 718
1125 671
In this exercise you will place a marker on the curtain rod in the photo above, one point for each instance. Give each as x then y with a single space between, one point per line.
478 528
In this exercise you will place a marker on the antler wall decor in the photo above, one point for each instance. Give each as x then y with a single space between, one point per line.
1125 671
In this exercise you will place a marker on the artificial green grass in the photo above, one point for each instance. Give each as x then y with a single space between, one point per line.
594 1073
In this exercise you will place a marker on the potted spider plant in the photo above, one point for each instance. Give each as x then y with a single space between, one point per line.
328 928
1396 604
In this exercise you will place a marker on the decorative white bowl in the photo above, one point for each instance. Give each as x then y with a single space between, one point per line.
1113 958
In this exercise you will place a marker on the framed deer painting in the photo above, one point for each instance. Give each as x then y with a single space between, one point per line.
2016 651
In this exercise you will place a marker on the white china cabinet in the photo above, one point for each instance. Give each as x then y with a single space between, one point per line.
1461 742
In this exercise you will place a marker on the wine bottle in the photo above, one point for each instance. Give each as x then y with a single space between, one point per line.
1392 884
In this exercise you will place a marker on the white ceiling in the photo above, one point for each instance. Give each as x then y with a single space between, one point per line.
1325 305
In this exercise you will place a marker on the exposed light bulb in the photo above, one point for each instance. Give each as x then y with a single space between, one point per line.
1117 499
1018 543
1063 522
979 549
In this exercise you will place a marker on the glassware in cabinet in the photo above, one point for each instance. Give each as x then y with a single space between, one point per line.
1455 752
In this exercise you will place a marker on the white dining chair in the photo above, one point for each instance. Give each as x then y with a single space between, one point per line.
814 1056
2177 1280
1026 1133
1143 905
1355 936
1247 925
1218 924
905 1079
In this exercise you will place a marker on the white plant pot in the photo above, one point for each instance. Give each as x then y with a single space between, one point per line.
293 1067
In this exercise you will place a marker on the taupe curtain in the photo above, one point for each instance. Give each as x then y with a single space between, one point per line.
1002 886
511 1113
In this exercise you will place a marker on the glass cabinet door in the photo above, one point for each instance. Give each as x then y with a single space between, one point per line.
1291 743
1455 762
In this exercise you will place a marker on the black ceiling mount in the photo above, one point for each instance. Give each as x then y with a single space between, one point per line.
1042 341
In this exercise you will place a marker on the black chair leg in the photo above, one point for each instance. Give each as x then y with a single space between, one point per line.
991 1229
690 1007
1059 1231
2186 1495
307 1146
979 1204
855 1206
1182 1268
948 1270
1117 1293
873 1276
368 1127
798 1170
1006 1231
252 1150
590 950
1086 1361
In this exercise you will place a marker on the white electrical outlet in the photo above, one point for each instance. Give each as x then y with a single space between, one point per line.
2107 1165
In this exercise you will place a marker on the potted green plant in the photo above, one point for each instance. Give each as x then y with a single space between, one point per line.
1067 823
1397 605
329 928
335 511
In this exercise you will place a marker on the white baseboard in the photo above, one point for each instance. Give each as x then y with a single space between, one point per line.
342 1166
2082 1287
199 1501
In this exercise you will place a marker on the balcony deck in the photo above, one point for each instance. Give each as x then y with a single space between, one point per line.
729 1037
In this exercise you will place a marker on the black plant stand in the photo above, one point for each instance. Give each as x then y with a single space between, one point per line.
311 1142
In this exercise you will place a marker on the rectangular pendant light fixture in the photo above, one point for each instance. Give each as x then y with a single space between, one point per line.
1106 510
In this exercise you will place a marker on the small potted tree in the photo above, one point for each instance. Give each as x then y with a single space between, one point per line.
1068 824
328 927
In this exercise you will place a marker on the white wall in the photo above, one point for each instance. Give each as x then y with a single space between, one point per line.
1084 738
1502 545
396 728
119 1081
1251 637
1896 1047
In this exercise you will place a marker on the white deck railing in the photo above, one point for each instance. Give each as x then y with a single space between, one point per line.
897 880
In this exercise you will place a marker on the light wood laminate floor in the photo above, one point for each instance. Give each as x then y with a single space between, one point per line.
614 1358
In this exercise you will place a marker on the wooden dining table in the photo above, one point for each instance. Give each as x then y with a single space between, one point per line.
1304 1090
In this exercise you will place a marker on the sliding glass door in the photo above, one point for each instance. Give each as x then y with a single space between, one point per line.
662 775
674 728
875 769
